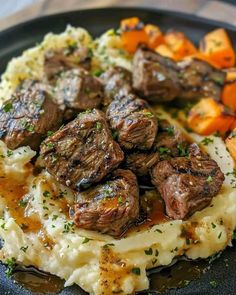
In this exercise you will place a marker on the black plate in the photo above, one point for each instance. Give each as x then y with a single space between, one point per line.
14 40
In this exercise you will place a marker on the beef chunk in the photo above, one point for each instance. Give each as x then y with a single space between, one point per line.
28 115
82 152
170 140
187 184
133 120
109 207
154 76
141 162
68 58
77 90
199 79
117 81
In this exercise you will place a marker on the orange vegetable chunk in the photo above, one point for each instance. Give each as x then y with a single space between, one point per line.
218 47
132 33
155 36
179 44
209 116
231 144
164 50
229 91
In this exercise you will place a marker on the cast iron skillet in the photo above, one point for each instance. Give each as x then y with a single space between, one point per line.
14 40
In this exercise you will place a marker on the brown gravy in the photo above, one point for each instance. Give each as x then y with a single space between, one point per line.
37 282
13 193
178 275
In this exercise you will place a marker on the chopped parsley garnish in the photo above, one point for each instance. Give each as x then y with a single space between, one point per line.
22 203
50 145
207 140
97 73
183 152
148 251
106 246
164 150
114 134
98 125
158 230
170 130
234 236
213 284
49 133
7 107
54 217
213 225
219 236
148 114
46 194
9 153
68 227
24 249
86 240
120 200
136 271
11 263
209 179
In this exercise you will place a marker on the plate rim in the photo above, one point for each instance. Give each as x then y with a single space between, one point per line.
184 15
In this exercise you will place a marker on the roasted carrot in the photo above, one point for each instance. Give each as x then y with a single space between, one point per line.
229 91
164 50
155 36
209 116
203 57
132 33
218 47
231 144
179 44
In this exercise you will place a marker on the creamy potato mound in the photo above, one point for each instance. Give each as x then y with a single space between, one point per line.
37 230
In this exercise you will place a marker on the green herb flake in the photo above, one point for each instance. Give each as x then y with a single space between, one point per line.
213 284
213 225
86 240
158 230
206 141
148 251
209 179
24 249
11 263
98 125
136 271
148 114
54 217
170 130
9 153
22 203
164 150
220 234
120 200
46 194
7 107
106 246
49 133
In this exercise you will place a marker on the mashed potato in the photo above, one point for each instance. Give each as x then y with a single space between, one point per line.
36 228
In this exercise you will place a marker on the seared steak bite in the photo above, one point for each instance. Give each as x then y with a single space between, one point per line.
77 90
82 152
199 79
187 184
56 62
133 120
109 207
170 140
154 76
28 115
117 81
141 162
